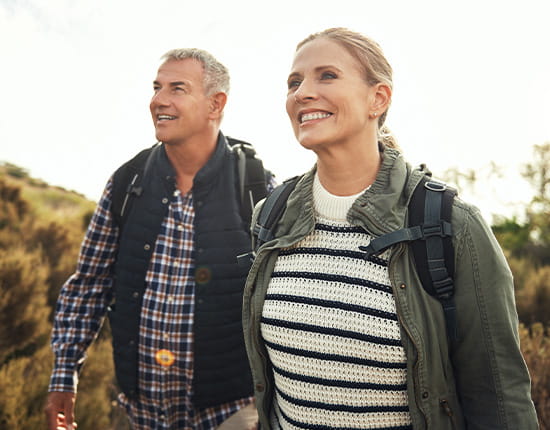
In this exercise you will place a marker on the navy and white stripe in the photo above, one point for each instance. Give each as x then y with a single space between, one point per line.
330 327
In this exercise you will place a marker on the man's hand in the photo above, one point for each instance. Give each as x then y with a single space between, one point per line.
60 411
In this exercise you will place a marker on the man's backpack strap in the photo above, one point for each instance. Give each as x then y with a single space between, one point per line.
430 236
252 176
126 184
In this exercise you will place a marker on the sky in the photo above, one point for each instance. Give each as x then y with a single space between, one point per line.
471 81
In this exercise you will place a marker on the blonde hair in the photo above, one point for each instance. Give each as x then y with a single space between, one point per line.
373 63
216 75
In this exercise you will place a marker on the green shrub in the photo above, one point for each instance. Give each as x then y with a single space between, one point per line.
23 309
535 345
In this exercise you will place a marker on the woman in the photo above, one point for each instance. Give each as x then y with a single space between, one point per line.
337 341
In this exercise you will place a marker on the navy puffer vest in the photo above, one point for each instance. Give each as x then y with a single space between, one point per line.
221 371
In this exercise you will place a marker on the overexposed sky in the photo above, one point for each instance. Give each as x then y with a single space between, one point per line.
471 80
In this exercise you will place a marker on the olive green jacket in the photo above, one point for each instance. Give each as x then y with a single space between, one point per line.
479 382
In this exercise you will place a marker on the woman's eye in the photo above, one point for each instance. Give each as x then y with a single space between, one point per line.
294 83
328 75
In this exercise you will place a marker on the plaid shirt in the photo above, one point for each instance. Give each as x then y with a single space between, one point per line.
166 319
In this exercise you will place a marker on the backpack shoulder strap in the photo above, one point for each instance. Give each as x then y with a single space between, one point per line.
271 212
126 182
252 176
429 232
431 206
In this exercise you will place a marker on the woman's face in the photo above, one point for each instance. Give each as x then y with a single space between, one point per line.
328 99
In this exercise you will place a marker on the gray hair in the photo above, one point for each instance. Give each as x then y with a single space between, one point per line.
216 75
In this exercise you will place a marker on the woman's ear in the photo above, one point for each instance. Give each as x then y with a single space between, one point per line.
217 104
382 98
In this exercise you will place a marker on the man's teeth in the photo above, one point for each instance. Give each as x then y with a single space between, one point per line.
165 117
314 115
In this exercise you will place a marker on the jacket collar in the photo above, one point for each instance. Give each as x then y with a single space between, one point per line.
381 209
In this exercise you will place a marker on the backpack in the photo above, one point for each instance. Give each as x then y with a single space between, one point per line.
429 234
251 173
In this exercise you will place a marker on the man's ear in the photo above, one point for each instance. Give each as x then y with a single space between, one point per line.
382 98
217 104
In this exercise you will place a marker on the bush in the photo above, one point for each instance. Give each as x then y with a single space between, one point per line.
533 298
23 310
23 384
535 346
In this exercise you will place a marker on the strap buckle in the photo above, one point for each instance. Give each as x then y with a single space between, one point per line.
435 186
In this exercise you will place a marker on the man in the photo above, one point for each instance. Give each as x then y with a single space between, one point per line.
164 266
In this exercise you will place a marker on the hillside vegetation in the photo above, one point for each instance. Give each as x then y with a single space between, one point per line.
41 228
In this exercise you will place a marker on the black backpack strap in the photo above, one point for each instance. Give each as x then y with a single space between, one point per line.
126 184
430 236
434 257
252 176
270 214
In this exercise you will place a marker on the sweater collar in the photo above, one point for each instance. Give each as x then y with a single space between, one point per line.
382 208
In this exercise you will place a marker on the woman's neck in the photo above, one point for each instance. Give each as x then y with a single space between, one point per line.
346 172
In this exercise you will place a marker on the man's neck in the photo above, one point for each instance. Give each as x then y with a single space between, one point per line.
189 157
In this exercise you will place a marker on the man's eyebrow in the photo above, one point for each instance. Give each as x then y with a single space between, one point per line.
173 84
179 84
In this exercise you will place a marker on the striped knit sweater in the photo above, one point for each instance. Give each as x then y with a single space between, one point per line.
330 326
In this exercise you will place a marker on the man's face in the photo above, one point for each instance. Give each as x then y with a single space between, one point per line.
179 106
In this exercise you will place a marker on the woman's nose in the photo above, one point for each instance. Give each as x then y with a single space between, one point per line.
305 92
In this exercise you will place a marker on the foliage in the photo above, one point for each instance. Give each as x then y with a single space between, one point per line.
40 234
23 383
23 308
533 297
535 346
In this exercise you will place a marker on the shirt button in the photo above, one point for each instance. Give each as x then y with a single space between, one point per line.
147 247
135 295
164 200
